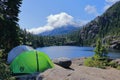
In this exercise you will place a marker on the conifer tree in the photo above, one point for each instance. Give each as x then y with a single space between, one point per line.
100 50
9 28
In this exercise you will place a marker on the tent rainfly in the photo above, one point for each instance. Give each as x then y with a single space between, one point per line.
31 62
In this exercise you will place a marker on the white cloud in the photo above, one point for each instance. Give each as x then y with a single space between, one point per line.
59 20
109 3
106 6
82 22
56 21
40 29
91 10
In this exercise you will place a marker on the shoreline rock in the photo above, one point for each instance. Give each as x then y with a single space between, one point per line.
63 62
78 71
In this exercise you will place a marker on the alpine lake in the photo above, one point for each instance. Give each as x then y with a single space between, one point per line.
74 52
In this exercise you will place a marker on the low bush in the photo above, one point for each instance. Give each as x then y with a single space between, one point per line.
113 64
91 62
5 73
118 67
100 58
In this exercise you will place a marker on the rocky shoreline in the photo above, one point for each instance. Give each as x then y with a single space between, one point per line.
77 71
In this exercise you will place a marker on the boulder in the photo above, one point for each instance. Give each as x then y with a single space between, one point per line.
78 61
56 73
116 61
63 62
115 45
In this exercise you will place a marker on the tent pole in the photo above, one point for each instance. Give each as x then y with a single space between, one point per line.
37 61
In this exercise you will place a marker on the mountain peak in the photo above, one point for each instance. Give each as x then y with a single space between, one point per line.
60 30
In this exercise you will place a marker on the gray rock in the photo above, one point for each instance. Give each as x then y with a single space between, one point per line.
63 62
27 76
115 44
116 61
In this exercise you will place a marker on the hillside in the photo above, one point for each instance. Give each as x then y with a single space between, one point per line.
106 26
60 31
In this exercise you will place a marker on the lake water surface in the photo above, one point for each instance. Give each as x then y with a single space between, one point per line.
73 52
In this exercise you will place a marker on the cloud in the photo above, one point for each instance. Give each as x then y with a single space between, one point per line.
57 21
91 10
82 22
106 6
109 3
40 29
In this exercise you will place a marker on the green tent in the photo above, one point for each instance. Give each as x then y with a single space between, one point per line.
31 62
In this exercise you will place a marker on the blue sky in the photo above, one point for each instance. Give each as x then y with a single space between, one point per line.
44 15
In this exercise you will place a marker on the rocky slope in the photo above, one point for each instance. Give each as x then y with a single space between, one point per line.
104 26
79 72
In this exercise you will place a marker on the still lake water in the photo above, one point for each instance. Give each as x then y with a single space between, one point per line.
73 52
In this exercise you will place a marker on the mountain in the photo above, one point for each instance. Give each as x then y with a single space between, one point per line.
106 26
60 31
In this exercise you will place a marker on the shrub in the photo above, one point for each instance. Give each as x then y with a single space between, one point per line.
91 62
113 64
1 53
100 57
4 70
118 67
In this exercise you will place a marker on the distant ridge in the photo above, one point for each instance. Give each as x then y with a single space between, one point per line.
60 31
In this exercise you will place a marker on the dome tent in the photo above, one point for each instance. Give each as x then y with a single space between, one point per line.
31 62
16 51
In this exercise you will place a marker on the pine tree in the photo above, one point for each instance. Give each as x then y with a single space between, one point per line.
9 28
100 50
